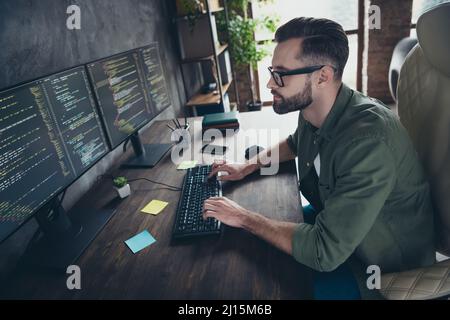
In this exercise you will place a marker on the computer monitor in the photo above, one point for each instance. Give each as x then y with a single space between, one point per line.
155 81
121 90
50 134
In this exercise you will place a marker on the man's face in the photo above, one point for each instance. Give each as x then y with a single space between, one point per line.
296 94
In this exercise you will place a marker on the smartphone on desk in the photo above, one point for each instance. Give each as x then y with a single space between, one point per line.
214 149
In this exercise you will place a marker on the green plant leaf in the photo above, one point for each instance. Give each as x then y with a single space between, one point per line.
120 182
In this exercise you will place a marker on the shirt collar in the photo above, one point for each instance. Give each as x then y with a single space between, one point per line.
342 99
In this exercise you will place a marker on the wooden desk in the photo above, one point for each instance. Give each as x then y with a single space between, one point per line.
236 265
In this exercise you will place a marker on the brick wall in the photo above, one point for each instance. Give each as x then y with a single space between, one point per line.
243 84
395 25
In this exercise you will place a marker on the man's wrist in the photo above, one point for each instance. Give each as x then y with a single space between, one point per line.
251 167
250 221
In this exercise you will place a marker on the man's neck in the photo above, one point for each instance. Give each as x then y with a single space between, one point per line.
318 111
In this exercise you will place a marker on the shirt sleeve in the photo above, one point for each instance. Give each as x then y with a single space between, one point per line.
365 176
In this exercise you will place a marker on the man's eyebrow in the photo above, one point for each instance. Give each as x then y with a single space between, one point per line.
279 68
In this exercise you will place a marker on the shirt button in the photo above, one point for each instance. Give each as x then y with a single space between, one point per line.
307 164
315 141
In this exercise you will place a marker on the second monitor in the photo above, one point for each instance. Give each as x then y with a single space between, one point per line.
130 93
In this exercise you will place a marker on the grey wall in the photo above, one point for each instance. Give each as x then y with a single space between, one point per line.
34 42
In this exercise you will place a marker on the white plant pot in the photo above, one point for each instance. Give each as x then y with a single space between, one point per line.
124 191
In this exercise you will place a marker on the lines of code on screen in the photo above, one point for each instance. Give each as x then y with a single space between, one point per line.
154 76
76 118
120 93
49 135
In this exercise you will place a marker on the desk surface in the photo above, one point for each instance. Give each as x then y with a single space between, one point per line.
236 265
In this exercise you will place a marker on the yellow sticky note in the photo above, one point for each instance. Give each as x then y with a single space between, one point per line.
154 207
187 164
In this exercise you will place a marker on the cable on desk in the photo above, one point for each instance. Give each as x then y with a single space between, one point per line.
60 201
62 197
170 187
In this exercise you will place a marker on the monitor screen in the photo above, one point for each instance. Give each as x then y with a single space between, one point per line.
156 86
50 134
119 88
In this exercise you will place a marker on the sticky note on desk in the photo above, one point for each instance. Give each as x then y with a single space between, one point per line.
140 241
154 207
187 165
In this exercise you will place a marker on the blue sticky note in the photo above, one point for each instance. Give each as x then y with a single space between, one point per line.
140 241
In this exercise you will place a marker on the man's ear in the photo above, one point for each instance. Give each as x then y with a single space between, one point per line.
325 76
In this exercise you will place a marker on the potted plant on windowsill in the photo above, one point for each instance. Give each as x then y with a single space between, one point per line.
244 49
122 187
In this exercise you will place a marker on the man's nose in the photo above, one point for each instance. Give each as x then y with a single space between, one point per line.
271 84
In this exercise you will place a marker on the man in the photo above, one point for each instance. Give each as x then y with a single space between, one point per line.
356 164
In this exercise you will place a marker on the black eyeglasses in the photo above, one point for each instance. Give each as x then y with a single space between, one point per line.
278 75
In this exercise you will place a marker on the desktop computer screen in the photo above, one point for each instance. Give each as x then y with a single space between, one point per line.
50 134
118 85
131 90
76 117
156 86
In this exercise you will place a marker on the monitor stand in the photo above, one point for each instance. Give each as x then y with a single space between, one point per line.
146 155
60 241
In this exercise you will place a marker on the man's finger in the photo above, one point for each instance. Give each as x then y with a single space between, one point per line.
226 177
215 169
217 163
215 198
209 206
209 214
213 172
221 161
223 167
215 204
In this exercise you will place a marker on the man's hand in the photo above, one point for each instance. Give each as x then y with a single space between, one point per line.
278 233
226 211
236 171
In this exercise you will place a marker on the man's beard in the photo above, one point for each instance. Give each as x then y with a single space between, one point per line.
298 102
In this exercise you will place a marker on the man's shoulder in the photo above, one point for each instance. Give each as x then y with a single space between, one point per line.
367 117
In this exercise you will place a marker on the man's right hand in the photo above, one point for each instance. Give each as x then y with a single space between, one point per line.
236 171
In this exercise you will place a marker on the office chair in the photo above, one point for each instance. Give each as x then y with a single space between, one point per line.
424 109
401 50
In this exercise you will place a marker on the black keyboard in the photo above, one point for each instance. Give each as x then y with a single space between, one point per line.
189 216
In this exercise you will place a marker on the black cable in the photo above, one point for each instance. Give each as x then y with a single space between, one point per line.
62 197
124 147
59 203
172 188
106 175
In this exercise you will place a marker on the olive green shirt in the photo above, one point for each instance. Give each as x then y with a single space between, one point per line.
371 195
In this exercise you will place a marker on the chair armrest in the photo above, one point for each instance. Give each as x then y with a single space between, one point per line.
419 284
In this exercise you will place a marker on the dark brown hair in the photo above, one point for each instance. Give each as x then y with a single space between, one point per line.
324 41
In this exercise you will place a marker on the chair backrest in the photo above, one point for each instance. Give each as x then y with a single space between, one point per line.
424 109
401 50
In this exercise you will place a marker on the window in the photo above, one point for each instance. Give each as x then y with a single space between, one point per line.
344 12
420 6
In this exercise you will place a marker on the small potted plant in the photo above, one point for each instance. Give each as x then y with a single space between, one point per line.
122 187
